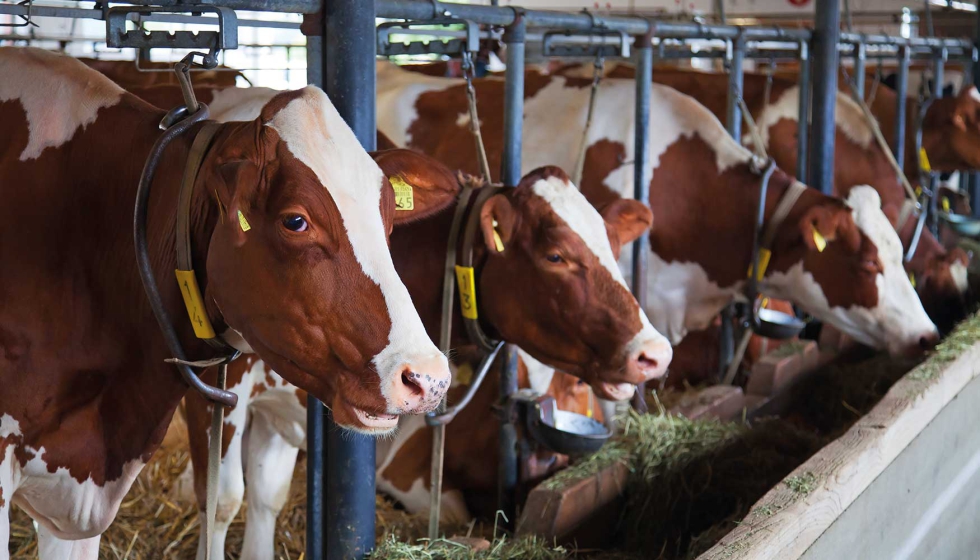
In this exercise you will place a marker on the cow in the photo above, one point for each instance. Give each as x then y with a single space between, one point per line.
703 190
940 274
574 312
289 222
133 74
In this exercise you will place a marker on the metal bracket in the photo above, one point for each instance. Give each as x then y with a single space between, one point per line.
551 44
451 47
117 36
28 19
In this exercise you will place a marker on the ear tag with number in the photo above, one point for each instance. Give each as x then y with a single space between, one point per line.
819 241
946 205
404 195
496 238
243 222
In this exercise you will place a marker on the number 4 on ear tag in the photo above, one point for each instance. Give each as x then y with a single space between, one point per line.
819 241
243 222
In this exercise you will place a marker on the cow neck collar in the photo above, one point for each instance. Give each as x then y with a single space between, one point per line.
186 274
764 234
460 259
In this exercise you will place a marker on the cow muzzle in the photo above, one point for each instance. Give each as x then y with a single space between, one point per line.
418 387
649 360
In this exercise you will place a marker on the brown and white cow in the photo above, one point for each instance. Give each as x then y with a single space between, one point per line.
85 394
555 290
703 192
940 274
127 74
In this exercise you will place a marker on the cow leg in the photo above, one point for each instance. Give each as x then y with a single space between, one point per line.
271 460
50 547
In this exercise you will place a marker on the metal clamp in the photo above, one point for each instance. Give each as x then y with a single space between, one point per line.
451 47
551 44
28 18
117 36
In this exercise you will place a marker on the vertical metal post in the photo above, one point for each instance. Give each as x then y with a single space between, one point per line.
974 180
901 101
803 125
938 71
826 32
350 51
860 56
736 78
315 411
507 470
643 49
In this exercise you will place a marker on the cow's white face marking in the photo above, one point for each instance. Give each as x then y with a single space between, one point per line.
59 94
959 273
847 116
572 207
317 136
898 321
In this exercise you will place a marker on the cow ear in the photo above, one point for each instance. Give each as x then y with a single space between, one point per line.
827 222
628 218
422 185
497 221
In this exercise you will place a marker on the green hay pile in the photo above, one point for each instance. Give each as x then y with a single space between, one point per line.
502 548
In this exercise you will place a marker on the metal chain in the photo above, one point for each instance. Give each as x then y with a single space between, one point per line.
598 68
469 72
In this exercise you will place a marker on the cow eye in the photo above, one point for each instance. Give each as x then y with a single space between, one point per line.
295 223
555 258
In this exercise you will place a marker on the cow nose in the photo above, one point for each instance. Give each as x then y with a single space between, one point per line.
649 361
929 341
419 387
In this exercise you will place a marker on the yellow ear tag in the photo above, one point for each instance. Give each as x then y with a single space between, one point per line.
912 278
918 190
243 222
467 291
194 303
404 195
496 239
924 161
765 303
764 256
946 205
464 374
819 241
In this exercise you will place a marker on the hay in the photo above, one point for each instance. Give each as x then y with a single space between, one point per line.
502 548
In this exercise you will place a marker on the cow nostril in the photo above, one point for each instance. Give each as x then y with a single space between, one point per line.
928 342
646 362
409 382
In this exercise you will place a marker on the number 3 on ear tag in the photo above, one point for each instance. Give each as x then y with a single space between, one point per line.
243 222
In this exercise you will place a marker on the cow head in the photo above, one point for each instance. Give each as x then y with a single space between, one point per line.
555 289
857 282
299 264
943 285
952 131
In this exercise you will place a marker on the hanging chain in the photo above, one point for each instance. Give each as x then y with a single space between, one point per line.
469 72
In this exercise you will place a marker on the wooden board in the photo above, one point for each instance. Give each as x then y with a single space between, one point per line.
786 522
